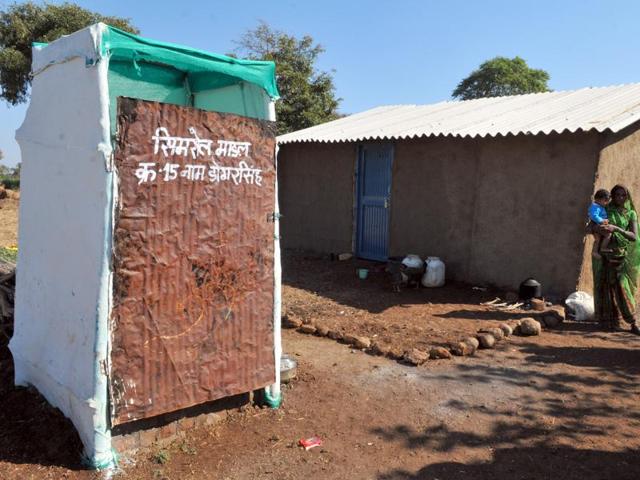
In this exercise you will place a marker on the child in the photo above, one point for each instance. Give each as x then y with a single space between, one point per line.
598 215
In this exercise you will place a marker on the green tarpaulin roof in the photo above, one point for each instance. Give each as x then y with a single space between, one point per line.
204 70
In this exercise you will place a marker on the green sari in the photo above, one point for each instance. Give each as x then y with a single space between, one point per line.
615 274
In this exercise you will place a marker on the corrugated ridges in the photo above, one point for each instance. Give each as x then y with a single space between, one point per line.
601 109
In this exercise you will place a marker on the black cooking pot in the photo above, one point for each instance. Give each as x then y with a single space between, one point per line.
529 289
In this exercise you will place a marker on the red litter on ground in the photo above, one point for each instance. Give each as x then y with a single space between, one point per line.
309 443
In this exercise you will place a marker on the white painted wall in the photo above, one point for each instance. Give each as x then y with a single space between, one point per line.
62 286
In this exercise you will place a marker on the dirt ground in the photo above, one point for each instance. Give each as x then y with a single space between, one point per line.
329 293
561 405
8 222
526 411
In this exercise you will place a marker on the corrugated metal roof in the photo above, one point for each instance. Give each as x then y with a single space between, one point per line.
601 109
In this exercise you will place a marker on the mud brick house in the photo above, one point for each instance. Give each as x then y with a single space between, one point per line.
496 187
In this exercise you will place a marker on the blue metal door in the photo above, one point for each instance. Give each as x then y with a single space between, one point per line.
373 201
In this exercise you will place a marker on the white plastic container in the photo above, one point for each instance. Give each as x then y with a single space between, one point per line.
434 273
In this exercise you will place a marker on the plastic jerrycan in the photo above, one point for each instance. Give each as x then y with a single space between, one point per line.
434 272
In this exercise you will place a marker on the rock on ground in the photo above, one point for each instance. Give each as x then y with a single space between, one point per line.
439 352
416 357
529 326
307 329
553 317
514 324
322 330
462 349
497 333
289 321
473 341
357 342
396 353
379 349
506 329
334 335
486 340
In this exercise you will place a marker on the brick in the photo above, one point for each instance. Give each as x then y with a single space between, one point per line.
126 443
187 423
212 419
147 437
167 431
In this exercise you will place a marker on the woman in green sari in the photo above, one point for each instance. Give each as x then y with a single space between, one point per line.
615 274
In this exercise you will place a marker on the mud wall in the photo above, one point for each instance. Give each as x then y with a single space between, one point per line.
618 163
496 210
316 196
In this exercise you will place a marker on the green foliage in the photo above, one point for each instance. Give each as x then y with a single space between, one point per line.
9 177
502 76
9 255
307 95
161 457
21 24
10 182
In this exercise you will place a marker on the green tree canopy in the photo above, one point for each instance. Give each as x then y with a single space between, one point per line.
4 170
307 95
502 76
24 23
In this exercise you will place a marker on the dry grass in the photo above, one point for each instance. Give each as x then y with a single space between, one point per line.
9 222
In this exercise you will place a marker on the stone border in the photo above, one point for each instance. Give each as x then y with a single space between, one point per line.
485 338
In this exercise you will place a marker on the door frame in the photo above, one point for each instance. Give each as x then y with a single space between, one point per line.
356 196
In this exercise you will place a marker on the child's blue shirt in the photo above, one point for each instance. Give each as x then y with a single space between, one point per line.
597 213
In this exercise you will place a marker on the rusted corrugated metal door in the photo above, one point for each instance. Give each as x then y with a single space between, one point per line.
193 258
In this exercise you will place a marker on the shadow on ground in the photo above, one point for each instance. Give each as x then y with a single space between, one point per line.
31 430
337 280
534 463
589 398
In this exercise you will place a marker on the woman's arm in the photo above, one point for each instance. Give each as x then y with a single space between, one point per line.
630 234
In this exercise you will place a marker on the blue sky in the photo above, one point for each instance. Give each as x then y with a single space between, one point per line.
393 52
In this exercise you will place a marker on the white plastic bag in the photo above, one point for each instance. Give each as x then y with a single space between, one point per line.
582 305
